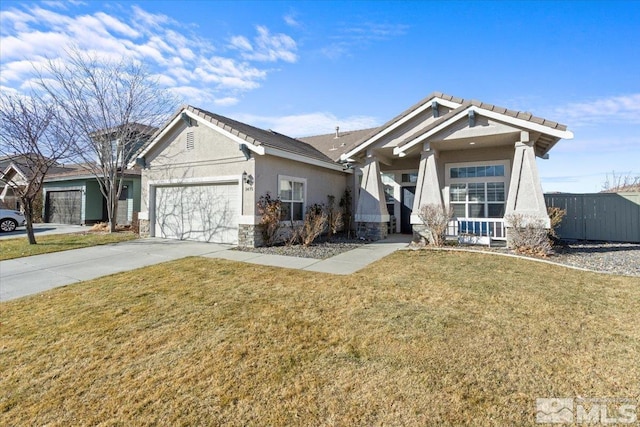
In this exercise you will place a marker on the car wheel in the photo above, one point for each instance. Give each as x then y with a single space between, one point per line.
8 224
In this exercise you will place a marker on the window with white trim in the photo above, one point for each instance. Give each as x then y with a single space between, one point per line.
478 191
292 193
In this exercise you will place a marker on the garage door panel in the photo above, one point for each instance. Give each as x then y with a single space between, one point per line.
64 207
206 213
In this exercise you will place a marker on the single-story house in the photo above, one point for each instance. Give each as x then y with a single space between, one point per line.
74 197
204 173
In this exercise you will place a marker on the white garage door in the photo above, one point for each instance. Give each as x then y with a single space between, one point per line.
207 213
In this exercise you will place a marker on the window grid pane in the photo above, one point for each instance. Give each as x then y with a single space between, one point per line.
458 192
496 210
297 211
495 191
285 190
476 192
298 192
476 210
459 210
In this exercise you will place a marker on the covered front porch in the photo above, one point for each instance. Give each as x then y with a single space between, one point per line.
471 161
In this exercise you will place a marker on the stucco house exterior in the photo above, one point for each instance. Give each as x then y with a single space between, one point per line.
203 173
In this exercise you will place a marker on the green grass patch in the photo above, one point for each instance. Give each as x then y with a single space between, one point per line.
418 338
20 247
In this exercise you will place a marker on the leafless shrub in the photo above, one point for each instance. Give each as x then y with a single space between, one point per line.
435 219
555 216
270 210
315 222
528 235
334 217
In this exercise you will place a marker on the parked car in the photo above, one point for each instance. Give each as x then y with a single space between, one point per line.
10 219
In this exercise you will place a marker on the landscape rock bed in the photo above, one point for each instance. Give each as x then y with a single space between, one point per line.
618 258
322 250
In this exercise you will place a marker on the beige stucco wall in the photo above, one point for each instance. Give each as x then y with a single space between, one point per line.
213 155
411 127
321 182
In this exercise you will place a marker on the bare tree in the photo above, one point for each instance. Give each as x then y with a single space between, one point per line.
116 105
621 182
35 138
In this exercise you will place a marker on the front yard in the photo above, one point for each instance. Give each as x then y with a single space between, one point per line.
419 338
20 247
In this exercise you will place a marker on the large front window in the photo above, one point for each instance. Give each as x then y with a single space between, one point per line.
477 191
477 199
292 195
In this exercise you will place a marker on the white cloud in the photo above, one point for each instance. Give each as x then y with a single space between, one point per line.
226 102
266 47
291 21
354 36
615 109
29 35
117 25
317 123
241 42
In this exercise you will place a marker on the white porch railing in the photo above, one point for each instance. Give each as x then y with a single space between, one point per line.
477 230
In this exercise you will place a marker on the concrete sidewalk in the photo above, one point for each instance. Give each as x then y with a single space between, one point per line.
30 275
344 263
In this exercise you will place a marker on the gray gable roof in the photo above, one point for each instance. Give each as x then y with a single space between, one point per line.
546 143
334 147
257 136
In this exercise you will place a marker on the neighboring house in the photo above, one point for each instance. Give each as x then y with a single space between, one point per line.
204 173
15 172
74 197
117 145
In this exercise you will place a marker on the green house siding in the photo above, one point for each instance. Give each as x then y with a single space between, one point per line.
95 211
136 195
93 202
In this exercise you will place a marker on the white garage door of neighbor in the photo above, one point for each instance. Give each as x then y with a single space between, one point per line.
207 213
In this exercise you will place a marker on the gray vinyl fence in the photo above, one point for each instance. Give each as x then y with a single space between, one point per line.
613 217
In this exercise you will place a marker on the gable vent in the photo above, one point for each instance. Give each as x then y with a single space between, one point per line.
190 143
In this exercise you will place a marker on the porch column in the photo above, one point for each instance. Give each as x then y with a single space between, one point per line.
371 212
428 186
525 192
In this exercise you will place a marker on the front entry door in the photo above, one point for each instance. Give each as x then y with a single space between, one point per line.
406 207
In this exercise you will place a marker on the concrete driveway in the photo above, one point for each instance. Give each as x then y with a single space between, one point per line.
26 276
44 229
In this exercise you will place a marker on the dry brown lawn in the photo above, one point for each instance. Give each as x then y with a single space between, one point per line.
20 247
419 338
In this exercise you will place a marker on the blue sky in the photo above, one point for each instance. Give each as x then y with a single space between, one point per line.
302 68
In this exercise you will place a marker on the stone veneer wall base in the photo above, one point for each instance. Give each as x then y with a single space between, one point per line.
250 235
372 230
143 227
